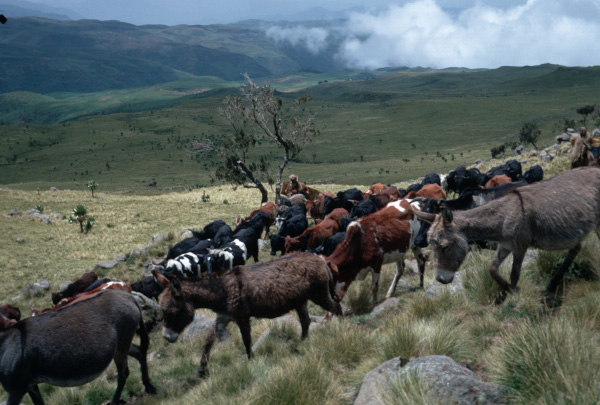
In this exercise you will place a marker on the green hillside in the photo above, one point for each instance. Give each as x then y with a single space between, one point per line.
390 128
44 56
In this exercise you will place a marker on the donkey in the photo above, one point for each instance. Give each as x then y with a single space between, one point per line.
72 346
555 214
262 290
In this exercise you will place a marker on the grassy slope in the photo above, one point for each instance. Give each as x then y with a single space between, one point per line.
368 129
519 344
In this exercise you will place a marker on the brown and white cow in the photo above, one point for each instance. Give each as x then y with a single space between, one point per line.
372 241
315 207
313 237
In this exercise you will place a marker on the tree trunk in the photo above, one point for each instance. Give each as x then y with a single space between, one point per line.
278 180
263 191
81 225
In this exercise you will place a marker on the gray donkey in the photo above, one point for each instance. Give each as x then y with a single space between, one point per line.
555 214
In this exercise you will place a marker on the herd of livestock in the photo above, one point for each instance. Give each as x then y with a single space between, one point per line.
354 233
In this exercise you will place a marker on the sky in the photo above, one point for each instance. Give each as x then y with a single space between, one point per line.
380 33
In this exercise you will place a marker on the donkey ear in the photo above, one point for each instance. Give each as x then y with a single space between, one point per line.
447 216
160 279
175 287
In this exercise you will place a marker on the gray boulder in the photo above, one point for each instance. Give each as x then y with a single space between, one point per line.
387 304
105 265
566 137
14 212
37 288
202 326
445 382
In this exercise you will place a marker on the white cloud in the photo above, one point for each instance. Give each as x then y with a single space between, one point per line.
312 38
421 33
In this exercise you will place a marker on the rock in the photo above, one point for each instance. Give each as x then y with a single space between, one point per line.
14 212
450 383
519 149
120 257
456 286
533 152
547 157
386 304
377 381
262 244
150 310
152 183
563 137
202 326
139 252
571 131
105 265
56 215
478 161
596 132
20 240
46 219
444 380
149 265
37 288
53 189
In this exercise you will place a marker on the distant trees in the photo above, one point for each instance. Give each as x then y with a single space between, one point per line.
529 133
257 115
585 111
93 186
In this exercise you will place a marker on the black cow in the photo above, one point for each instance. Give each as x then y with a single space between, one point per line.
342 200
292 227
147 286
432 178
461 178
328 246
366 207
533 174
511 168
218 231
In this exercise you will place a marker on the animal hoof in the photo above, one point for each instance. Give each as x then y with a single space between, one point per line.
202 373
151 389
500 298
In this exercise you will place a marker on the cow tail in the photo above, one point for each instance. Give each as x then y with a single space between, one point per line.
331 283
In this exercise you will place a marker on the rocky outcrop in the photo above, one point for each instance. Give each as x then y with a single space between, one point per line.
444 380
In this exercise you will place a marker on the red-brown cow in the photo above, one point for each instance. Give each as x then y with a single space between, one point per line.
377 239
269 207
497 181
374 190
76 287
428 191
313 237
315 207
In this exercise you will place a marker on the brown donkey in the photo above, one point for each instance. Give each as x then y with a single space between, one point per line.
262 290
555 214
72 346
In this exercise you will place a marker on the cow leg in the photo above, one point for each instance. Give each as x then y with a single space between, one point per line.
375 284
421 261
34 394
501 254
399 272
560 272
220 324
244 325
304 318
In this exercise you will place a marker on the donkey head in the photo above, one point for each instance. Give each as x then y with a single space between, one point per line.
177 312
449 246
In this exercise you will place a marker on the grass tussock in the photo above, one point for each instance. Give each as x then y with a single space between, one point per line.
555 361
408 390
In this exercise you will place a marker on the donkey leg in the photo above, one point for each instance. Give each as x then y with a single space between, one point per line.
515 272
560 272
399 272
139 353
244 325
501 254
122 374
304 318
220 324
15 397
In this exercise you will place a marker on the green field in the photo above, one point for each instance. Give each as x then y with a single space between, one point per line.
393 128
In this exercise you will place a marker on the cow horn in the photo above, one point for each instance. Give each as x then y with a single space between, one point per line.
425 216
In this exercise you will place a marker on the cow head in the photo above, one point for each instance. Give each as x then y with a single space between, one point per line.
177 311
277 244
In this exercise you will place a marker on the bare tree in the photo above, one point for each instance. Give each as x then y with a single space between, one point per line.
255 115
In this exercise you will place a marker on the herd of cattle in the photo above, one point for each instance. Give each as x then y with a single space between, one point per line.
354 233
